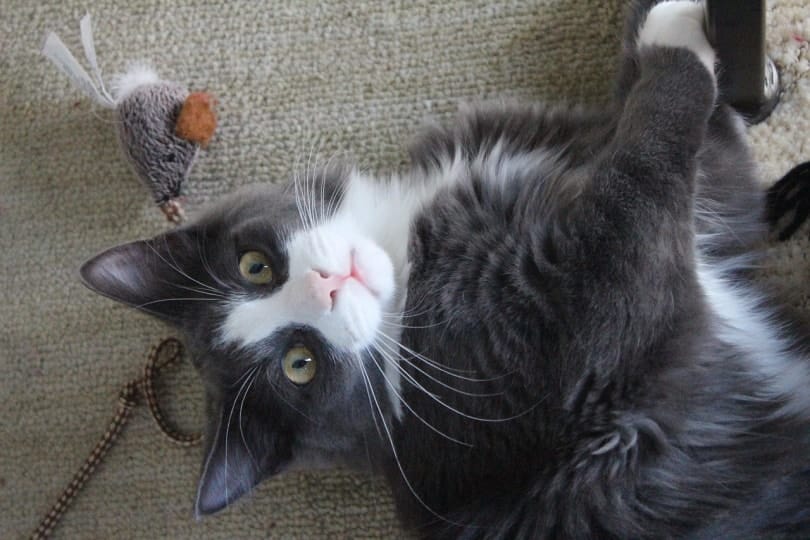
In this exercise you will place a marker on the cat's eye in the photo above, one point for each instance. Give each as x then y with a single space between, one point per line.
299 365
255 267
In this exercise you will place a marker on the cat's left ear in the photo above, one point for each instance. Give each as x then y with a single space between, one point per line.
155 275
241 451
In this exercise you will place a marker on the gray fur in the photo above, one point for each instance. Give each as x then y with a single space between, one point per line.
600 400
147 118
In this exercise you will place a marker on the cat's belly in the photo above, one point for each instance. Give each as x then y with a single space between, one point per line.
744 319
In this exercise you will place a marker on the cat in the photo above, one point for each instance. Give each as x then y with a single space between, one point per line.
545 327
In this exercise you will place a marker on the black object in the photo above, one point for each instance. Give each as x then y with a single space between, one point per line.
790 194
749 79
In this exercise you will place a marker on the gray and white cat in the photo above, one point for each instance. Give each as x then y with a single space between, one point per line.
544 328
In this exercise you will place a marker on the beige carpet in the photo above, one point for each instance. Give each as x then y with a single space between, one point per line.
294 78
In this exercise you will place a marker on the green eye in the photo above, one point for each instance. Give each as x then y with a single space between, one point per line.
299 365
255 267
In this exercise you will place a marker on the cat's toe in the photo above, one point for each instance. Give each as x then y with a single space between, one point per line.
678 23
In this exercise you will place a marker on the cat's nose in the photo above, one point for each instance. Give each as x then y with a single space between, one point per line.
323 287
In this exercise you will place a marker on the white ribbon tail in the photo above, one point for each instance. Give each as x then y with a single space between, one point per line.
86 27
58 53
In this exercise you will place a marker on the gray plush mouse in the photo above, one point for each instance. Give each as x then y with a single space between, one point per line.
161 126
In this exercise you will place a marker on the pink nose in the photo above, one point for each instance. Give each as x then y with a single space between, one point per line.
323 287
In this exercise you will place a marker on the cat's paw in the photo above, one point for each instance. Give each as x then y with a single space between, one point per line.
678 23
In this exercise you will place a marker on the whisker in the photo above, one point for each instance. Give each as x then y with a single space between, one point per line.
322 201
177 266
228 432
297 191
255 376
326 206
197 290
391 320
402 400
178 270
282 398
174 300
207 266
394 450
477 418
437 366
336 199
360 365
434 379
308 190
241 378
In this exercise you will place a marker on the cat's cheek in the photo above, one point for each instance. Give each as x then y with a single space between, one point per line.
377 269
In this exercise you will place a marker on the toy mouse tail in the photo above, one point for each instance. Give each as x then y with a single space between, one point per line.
55 50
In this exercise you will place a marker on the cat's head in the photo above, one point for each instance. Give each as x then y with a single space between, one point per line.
280 291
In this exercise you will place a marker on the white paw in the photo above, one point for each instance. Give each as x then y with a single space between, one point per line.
678 23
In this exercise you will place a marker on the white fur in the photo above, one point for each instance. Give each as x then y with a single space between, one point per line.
136 75
373 221
678 24
747 324
357 311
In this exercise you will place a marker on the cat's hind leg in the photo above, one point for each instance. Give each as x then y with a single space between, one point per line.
651 21
678 24
729 200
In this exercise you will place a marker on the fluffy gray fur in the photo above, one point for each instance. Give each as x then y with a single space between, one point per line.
147 118
587 379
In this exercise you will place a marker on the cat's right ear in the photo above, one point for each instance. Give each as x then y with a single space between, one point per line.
155 275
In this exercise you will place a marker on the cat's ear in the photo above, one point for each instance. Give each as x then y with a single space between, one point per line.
241 451
154 275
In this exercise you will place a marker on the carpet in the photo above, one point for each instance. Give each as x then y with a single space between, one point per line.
296 81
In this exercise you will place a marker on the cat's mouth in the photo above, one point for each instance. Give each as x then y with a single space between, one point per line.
357 274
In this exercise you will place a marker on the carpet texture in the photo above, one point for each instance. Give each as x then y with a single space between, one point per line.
296 80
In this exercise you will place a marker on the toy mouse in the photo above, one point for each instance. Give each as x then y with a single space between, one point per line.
161 126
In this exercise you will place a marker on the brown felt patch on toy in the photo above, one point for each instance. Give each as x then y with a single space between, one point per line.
197 121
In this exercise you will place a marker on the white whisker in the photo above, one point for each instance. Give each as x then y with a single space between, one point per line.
367 381
207 266
437 366
407 406
228 431
395 352
161 300
178 270
471 417
282 398
255 376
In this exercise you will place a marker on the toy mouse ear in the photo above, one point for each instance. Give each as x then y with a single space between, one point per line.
197 121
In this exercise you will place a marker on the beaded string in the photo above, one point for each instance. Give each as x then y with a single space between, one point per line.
167 352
